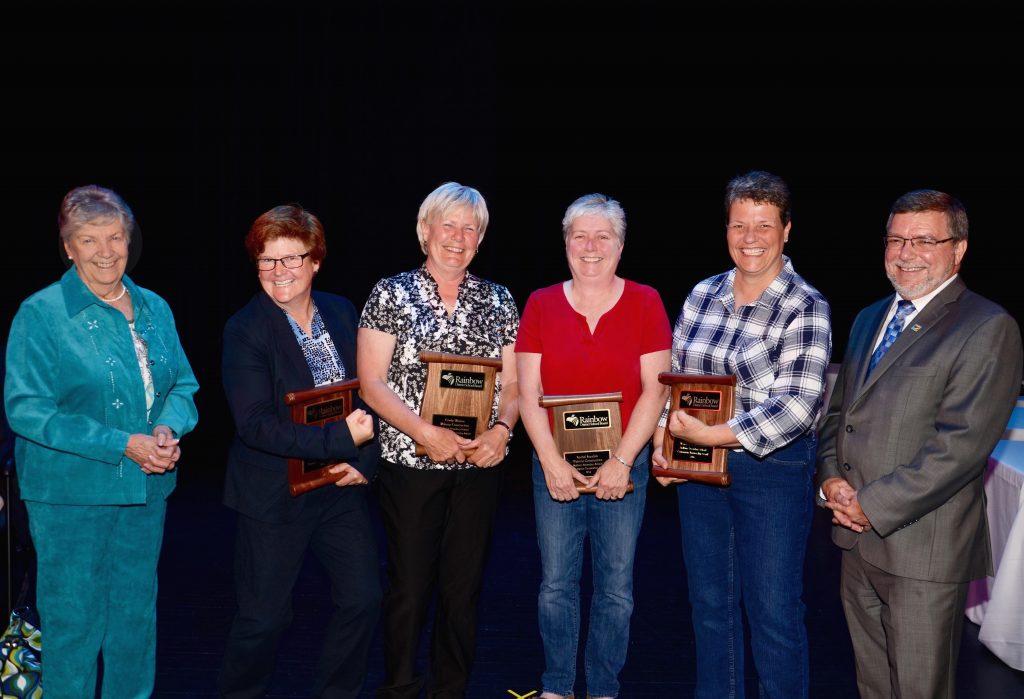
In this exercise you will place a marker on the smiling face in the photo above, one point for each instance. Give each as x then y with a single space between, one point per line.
592 248
451 241
289 288
756 237
915 272
100 254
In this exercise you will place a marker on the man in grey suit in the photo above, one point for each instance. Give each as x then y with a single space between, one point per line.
923 395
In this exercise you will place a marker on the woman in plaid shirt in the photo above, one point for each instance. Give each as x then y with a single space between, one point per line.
763 323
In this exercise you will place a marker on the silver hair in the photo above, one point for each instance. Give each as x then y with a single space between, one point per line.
92 204
596 205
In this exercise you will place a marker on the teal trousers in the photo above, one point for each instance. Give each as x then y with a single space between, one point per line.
96 594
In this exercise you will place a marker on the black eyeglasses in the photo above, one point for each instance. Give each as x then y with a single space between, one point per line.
895 242
267 264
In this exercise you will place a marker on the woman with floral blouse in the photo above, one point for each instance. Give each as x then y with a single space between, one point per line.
438 509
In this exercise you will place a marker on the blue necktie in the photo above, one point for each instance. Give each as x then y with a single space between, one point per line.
892 331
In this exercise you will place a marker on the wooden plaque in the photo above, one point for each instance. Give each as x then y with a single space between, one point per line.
317 406
710 399
587 430
459 394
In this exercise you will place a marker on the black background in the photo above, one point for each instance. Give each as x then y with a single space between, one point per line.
204 118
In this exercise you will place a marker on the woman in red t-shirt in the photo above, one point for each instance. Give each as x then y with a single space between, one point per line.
594 333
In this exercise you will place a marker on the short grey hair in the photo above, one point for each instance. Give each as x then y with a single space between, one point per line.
596 205
92 204
445 199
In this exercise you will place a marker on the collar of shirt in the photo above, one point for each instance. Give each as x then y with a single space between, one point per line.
469 280
772 296
77 296
919 304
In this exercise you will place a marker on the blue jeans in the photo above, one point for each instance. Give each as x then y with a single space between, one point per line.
613 527
747 542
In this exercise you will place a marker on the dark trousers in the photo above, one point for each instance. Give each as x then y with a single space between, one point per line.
268 558
439 526
905 632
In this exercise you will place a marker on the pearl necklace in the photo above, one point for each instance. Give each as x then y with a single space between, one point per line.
124 290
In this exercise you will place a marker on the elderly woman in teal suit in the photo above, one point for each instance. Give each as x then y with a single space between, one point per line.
98 393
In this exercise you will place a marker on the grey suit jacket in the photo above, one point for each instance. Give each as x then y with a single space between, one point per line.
914 438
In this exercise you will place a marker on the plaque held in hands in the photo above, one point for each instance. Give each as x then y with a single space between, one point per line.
318 406
711 400
459 394
587 430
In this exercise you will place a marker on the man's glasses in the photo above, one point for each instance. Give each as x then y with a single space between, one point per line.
895 242
267 264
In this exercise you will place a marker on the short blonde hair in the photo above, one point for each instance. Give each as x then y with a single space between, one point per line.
444 200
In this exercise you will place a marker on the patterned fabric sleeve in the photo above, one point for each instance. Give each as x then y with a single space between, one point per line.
409 308
510 314
796 393
377 313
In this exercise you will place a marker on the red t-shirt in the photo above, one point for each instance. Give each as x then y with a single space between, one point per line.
574 361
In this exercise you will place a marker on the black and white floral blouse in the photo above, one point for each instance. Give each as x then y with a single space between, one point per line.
409 307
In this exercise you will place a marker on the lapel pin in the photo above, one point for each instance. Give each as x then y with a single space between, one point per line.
915 327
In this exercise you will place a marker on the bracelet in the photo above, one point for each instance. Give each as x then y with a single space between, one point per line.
505 425
621 461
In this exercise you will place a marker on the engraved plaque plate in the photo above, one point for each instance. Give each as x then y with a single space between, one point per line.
459 393
711 399
317 406
459 424
587 429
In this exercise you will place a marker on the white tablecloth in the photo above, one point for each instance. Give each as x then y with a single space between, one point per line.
1015 427
996 604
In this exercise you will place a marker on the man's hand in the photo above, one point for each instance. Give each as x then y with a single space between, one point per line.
841 498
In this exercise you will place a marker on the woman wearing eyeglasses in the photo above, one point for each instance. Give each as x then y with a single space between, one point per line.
289 338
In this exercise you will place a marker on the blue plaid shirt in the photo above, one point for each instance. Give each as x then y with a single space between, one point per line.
778 347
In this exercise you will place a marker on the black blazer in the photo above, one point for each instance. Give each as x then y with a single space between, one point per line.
261 363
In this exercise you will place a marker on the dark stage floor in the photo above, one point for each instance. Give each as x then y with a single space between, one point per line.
196 601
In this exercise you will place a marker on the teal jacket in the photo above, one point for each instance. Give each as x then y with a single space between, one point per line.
74 394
